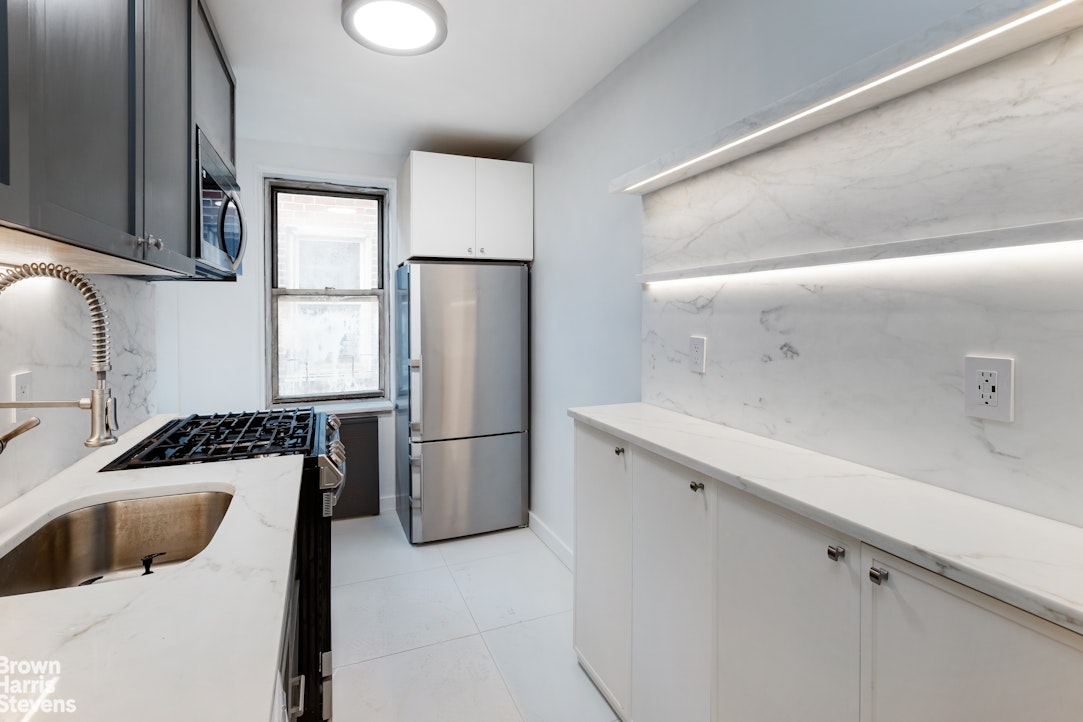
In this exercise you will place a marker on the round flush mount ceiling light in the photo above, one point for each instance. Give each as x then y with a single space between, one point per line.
396 27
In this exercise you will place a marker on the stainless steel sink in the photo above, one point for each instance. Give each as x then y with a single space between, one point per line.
112 541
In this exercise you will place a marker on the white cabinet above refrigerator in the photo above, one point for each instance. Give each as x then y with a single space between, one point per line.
453 206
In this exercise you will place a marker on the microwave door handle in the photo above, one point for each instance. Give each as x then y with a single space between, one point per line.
231 200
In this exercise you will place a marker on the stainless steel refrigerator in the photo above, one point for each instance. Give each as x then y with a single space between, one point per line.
462 408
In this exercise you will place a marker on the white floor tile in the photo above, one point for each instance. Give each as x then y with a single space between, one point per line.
537 661
451 682
372 547
513 588
482 546
383 616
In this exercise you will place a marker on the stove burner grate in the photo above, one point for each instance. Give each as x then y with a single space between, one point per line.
222 437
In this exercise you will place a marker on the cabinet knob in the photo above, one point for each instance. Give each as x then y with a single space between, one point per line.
696 485
156 242
834 553
618 450
481 250
877 575
469 250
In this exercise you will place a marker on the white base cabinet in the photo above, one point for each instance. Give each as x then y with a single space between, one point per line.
933 649
705 603
602 617
788 616
673 543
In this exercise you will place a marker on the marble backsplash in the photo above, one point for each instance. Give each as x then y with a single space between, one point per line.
45 328
865 361
995 147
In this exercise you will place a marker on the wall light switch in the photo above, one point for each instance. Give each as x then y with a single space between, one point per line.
989 392
697 354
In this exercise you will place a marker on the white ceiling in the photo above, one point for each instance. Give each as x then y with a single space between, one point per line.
507 69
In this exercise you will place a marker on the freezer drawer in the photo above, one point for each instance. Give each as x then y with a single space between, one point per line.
468 486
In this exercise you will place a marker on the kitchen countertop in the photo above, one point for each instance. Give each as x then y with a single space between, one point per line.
200 640
1023 559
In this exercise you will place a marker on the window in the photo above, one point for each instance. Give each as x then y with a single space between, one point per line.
327 292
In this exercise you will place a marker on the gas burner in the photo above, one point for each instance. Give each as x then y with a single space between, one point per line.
223 437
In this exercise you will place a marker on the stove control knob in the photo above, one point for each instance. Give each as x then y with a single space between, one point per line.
333 422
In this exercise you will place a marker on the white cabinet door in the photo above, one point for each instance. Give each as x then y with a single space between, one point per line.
505 210
936 650
673 543
603 569
788 616
440 206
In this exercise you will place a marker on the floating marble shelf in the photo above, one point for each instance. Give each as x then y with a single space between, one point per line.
990 31
1038 233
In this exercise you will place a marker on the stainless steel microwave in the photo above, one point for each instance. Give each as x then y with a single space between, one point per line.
220 245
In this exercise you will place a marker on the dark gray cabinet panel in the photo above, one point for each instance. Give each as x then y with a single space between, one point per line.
361 494
168 190
213 86
83 112
14 166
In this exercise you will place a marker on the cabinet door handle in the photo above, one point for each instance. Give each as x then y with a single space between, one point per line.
877 575
618 450
695 485
481 250
834 553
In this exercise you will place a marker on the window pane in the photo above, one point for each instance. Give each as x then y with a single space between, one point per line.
327 241
328 346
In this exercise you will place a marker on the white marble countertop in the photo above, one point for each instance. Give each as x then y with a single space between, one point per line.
1025 560
200 640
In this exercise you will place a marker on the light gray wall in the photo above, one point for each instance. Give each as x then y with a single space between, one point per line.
212 336
717 63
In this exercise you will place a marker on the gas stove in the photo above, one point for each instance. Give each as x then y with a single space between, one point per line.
222 437
306 667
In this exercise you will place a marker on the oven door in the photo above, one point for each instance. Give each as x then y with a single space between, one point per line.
221 224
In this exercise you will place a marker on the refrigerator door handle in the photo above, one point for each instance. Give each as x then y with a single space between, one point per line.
416 471
415 401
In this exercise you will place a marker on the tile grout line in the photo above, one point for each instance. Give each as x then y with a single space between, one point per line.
503 678
405 651
387 576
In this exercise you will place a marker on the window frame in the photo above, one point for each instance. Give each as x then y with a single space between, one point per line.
274 186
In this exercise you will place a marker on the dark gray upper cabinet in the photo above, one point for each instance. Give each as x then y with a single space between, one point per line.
84 123
14 163
213 87
168 152
111 127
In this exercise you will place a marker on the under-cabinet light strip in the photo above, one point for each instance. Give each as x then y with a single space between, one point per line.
759 268
857 91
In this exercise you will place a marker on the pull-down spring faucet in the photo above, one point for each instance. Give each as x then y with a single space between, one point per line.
102 405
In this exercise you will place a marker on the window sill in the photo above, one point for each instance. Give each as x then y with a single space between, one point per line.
348 406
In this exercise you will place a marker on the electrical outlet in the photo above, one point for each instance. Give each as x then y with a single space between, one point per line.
989 392
22 389
697 354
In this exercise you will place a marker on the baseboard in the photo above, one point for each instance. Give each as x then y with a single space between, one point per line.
556 545
387 504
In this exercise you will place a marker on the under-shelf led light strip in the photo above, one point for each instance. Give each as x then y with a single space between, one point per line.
857 91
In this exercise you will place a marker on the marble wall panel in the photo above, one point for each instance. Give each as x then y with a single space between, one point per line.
996 147
865 361
45 328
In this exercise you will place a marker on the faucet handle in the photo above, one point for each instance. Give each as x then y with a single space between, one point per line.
20 429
